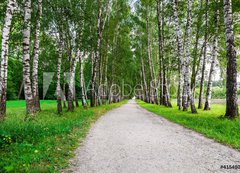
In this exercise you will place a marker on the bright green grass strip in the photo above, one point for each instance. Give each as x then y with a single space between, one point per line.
22 103
46 144
210 123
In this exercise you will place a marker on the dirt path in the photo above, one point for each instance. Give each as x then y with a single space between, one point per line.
132 140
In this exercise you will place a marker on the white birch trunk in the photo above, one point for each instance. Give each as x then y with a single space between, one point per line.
232 98
152 72
71 90
4 56
213 63
100 27
30 107
146 97
59 94
187 92
181 53
200 102
36 58
160 49
82 82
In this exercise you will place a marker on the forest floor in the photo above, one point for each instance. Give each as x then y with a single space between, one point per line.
46 143
131 139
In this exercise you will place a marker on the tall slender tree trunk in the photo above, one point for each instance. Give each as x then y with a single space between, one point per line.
59 64
82 82
30 106
165 96
181 53
200 102
92 83
105 80
96 60
71 89
196 56
212 69
232 98
187 92
100 27
64 90
146 98
150 60
4 56
160 49
36 58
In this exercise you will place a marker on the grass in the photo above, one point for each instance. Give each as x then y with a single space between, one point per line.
22 103
47 143
212 124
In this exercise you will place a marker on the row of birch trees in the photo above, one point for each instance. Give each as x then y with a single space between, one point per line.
176 41
100 50
84 41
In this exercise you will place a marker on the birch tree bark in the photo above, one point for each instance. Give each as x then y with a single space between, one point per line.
200 102
100 27
181 53
231 95
4 56
64 91
59 94
187 92
36 58
212 69
196 55
150 60
30 106
146 97
105 79
165 96
160 49
82 82
71 90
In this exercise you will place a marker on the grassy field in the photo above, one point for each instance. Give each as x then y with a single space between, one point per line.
46 143
212 124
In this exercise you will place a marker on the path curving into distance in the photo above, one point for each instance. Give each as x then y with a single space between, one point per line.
130 139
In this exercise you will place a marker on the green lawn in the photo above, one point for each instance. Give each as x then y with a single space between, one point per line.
22 103
46 143
210 123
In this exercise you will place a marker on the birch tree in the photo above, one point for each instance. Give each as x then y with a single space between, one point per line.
82 82
196 53
36 58
146 97
150 60
213 62
160 48
101 21
187 92
4 56
164 95
231 94
59 64
200 102
71 90
180 53
30 106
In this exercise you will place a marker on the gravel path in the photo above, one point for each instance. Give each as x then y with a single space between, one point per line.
130 139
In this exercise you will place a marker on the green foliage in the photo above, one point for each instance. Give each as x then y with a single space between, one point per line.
46 143
210 123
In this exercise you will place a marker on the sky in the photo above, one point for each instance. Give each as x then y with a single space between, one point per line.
132 5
